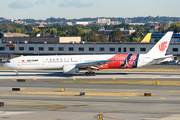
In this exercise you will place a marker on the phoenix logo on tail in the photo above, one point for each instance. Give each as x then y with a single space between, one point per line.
163 46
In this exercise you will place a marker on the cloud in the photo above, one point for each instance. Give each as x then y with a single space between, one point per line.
73 3
40 2
53 1
19 4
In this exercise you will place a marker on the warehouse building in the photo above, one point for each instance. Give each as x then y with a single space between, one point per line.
73 46
23 38
84 48
175 37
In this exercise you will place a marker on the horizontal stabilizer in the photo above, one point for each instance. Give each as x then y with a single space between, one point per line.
164 57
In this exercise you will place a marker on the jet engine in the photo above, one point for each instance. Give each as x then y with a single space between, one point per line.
70 69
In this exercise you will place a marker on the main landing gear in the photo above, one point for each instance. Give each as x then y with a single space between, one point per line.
90 73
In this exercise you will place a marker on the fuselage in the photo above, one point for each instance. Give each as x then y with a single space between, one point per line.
58 61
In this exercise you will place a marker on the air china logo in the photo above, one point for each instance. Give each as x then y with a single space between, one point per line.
163 46
22 60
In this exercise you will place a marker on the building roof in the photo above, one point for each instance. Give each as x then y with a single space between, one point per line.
41 25
14 35
162 34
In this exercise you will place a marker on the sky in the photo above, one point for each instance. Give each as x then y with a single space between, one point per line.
70 9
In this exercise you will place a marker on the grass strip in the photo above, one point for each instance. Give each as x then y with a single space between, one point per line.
73 93
4 68
125 82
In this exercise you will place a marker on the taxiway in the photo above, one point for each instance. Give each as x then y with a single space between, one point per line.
164 104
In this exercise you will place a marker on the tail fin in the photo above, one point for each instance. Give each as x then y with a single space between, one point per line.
161 46
147 38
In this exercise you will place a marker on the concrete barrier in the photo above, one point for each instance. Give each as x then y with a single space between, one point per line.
147 94
82 93
15 89
21 80
1 104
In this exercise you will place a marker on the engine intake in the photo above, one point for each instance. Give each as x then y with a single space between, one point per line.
70 69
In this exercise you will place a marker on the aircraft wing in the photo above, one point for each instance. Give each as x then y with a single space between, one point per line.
93 64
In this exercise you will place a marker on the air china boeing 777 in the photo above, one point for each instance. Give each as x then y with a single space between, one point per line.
72 64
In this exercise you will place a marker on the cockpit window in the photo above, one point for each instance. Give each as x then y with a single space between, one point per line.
8 61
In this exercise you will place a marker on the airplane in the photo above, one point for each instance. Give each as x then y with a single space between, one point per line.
71 64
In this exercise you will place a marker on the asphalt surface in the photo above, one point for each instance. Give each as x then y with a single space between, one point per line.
164 104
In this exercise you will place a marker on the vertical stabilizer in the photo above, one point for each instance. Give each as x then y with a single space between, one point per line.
161 46
147 38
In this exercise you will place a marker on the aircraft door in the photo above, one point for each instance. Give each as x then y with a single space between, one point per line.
19 62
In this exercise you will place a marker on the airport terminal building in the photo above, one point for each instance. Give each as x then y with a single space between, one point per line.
73 46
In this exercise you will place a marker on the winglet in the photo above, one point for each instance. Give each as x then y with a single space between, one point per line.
161 46
147 38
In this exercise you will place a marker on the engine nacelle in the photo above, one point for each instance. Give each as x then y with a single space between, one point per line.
70 69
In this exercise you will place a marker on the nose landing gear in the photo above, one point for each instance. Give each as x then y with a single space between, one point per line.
17 74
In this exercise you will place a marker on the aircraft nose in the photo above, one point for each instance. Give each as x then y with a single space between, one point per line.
5 64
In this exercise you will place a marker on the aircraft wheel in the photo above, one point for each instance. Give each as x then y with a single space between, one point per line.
90 73
87 74
94 74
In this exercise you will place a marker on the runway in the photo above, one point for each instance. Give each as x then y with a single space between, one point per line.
164 104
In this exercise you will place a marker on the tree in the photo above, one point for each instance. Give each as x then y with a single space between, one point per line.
61 33
156 40
116 35
78 32
103 33
136 37
95 28
108 27
35 32
9 28
125 39
175 27
17 30
94 39
53 32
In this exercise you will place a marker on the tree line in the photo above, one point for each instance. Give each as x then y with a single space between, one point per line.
147 19
89 33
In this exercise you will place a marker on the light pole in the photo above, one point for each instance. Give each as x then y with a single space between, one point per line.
56 32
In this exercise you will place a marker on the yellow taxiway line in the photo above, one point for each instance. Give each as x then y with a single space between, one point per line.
126 98
175 91
23 88
133 90
91 89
